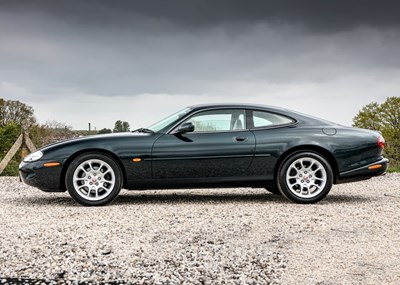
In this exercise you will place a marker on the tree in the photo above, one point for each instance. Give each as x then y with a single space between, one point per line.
125 126
390 111
369 117
386 119
2 102
16 112
51 131
104 131
121 126
57 126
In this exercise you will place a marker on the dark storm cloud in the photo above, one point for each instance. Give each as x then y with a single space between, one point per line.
315 15
74 55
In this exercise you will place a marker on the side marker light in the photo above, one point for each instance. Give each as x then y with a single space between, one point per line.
51 164
136 159
376 166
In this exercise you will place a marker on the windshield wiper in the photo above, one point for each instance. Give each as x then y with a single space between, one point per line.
143 130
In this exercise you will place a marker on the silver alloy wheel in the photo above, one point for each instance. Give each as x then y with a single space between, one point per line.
306 177
94 179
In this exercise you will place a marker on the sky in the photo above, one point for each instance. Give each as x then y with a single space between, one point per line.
81 62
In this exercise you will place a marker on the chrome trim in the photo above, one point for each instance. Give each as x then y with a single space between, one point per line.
201 157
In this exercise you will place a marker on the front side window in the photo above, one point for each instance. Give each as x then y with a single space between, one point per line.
265 119
163 124
218 120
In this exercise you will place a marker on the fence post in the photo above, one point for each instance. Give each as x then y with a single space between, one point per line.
10 154
29 144
23 140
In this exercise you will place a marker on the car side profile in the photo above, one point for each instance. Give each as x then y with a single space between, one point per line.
213 145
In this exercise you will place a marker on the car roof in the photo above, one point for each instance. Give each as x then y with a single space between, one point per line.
238 105
304 118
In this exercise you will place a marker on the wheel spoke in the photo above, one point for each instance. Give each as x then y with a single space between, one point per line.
91 165
83 169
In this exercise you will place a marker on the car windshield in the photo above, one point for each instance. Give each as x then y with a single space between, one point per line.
159 126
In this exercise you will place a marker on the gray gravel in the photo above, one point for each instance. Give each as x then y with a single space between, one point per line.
215 236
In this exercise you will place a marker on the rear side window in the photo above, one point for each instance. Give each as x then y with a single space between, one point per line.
265 119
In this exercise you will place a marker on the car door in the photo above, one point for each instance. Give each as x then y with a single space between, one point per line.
220 146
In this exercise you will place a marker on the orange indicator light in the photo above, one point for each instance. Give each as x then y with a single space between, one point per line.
376 166
136 159
51 164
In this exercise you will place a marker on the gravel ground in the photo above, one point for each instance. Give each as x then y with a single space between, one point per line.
217 236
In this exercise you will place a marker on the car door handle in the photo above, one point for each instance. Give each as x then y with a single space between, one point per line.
240 139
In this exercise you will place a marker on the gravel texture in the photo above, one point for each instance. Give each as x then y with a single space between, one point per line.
213 236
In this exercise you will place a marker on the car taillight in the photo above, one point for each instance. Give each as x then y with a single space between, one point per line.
381 142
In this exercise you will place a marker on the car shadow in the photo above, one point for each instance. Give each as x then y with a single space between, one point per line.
177 198
53 200
345 199
150 198
136 198
182 198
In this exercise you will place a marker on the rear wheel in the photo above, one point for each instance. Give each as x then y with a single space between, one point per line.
94 179
305 177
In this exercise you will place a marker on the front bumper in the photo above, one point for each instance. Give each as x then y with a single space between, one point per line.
35 174
365 172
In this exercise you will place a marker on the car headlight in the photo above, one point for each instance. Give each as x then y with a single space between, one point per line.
34 156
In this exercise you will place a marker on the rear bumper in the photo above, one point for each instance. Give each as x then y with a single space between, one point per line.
365 172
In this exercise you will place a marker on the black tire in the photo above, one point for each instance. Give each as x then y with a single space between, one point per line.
94 179
305 177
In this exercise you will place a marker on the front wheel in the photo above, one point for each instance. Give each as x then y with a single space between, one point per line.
94 179
305 177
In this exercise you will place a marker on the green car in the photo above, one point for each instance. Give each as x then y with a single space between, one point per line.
214 145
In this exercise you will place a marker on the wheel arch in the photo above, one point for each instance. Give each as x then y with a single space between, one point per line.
317 149
91 150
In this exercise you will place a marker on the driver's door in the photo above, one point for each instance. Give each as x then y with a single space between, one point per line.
220 146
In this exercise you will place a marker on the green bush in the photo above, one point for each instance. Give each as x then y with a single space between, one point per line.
11 169
8 135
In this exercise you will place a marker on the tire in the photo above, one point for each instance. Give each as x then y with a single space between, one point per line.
94 179
305 177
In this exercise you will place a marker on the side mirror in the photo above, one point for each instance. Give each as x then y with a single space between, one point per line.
185 128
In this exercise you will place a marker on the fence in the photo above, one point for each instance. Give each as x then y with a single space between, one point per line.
22 140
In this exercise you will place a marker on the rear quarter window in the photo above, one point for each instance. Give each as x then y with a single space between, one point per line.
263 119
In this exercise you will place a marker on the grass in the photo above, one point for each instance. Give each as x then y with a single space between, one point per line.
395 168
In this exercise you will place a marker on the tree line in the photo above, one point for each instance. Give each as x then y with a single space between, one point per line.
119 127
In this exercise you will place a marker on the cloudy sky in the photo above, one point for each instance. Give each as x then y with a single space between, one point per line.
138 61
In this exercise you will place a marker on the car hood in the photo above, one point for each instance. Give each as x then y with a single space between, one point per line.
94 138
